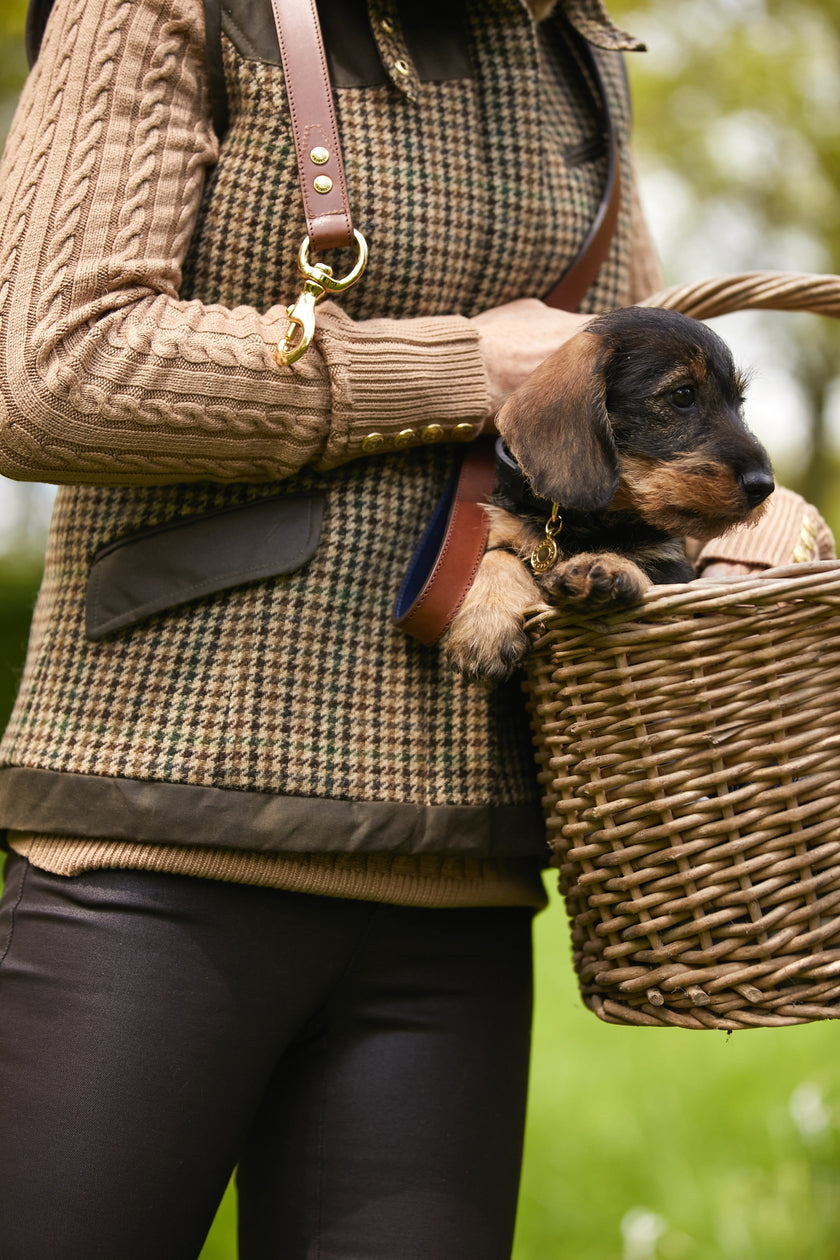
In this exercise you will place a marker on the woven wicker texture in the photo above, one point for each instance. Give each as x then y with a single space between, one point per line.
689 755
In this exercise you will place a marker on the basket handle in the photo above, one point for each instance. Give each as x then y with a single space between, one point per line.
752 290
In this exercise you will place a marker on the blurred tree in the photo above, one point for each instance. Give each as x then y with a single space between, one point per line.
737 110
12 58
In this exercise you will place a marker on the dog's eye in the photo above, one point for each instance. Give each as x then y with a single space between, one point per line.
683 396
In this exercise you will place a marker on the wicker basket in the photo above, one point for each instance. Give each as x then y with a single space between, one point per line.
689 756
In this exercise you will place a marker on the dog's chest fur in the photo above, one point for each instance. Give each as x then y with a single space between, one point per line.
662 557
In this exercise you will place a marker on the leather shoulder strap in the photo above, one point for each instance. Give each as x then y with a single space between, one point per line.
448 555
320 166
444 565
573 286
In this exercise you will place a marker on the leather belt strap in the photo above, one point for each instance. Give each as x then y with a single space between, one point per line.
328 220
444 566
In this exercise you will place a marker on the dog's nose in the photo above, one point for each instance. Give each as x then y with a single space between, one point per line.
757 485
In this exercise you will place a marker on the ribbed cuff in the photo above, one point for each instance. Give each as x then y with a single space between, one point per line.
401 383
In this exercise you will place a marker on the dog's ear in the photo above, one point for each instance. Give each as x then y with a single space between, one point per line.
556 427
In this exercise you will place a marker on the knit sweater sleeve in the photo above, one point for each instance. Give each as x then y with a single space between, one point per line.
106 375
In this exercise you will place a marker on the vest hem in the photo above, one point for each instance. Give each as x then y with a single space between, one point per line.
48 801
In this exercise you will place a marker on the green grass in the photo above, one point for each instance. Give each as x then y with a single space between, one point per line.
688 1138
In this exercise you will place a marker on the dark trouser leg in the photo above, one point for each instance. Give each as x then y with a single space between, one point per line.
393 1127
154 1028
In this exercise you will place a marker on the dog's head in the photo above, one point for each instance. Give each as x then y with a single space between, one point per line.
641 410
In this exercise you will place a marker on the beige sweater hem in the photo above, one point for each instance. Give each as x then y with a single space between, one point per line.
429 880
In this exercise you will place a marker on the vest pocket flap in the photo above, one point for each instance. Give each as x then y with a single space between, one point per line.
161 568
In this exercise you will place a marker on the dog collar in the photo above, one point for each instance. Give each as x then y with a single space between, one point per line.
512 481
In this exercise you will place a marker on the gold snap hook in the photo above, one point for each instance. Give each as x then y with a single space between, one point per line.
318 279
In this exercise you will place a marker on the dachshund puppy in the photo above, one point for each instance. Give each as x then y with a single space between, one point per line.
625 441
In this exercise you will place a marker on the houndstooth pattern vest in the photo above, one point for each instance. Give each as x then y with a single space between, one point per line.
297 690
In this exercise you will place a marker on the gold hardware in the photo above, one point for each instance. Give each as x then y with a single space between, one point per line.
402 67
404 438
322 183
546 551
433 433
373 442
387 26
319 155
463 432
318 280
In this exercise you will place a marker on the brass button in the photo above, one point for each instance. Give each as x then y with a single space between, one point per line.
319 155
373 442
433 433
402 67
322 183
405 437
463 432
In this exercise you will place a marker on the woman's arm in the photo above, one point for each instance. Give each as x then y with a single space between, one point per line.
106 376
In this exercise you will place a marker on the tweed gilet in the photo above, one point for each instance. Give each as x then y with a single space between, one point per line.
256 701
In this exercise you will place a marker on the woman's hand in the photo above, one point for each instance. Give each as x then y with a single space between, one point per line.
515 338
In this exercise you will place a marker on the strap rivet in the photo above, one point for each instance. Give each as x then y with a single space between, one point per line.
402 67
322 184
319 155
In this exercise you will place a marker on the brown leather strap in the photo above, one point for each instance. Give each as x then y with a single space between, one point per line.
435 584
453 544
578 280
328 219
570 291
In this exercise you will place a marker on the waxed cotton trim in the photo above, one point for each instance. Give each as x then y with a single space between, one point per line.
48 801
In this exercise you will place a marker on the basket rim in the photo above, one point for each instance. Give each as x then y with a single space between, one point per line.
817 580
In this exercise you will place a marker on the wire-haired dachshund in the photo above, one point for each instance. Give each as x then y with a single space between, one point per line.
624 442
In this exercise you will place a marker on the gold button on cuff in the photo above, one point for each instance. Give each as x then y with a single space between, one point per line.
433 433
373 442
402 67
319 155
405 437
322 184
463 432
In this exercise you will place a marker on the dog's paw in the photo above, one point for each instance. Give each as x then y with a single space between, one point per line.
487 639
597 581
485 646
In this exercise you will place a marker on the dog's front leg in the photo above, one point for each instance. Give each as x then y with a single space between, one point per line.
596 579
487 639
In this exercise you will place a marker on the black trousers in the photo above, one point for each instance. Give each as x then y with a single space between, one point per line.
364 1065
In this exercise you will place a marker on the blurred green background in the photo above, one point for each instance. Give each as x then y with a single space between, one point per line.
647 1143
